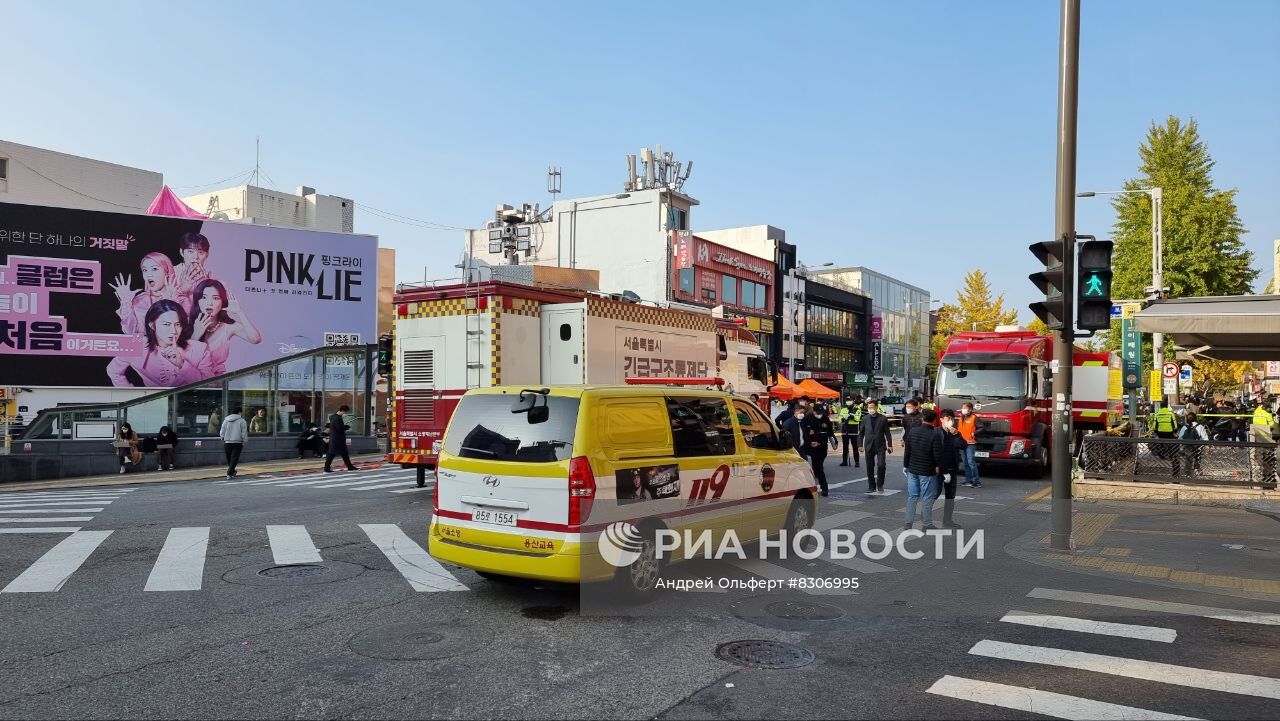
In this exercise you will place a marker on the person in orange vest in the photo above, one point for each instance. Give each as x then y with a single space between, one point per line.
967 424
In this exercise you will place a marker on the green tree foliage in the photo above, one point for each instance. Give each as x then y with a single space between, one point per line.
974 309
1203 250
1037 326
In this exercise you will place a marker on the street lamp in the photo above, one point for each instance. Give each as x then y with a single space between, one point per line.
1157 256
794 274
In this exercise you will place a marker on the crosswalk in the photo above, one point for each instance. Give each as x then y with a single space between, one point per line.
180 564
388 479
54 511
1070 628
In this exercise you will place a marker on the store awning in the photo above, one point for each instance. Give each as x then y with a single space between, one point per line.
1238 327
814 389
784 389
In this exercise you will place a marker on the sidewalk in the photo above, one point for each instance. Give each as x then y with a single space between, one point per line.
1220 550
369 460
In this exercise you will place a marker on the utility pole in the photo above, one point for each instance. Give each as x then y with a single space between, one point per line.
1064 229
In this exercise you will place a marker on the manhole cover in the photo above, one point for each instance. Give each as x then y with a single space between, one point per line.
764 654
804 611
303 570
417 641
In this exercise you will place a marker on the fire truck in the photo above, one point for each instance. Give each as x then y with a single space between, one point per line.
449 339
1006 376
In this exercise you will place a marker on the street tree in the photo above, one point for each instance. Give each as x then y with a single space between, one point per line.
1203 250
974 309
1217 376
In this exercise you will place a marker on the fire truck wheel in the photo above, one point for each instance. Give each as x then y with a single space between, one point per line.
422 477
1041 465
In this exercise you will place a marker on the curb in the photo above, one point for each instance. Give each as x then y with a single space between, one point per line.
203 473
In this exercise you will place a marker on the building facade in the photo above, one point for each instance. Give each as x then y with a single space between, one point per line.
899 338
713 275
837 338
35 176
770 244
305 209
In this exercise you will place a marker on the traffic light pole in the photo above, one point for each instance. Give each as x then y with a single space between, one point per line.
1064 229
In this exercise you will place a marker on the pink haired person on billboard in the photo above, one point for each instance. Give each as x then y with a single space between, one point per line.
216 318
159 282
172 358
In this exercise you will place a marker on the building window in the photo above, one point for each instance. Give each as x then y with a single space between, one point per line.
686 281
831 321
826 357
729 290
679 219
754 296
4 168
708 294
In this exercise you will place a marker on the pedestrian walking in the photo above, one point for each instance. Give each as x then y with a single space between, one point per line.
126 445
233 433
785 415
818 433
850 419
166 448
1189 453
967 425
794 430
922 457
953 445
338 440
876 443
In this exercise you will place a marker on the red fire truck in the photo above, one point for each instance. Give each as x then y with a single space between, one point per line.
449 339
1006 376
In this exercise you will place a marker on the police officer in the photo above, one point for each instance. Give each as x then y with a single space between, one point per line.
850 419
818 430
1164 423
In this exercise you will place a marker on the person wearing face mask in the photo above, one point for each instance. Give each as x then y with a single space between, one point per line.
953 445
910 416
850 419
967 425
876 442
793 427
818 432
786 413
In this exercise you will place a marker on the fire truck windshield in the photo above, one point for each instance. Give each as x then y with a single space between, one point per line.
982 380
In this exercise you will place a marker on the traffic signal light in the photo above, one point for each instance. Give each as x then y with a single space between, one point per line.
1093 290
384 354
1051 281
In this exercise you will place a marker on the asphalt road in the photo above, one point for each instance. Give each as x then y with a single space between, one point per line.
140 617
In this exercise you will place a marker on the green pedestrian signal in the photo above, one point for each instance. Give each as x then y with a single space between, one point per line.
1094 286
1093 300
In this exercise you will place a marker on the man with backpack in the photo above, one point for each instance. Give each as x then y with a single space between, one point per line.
1189 453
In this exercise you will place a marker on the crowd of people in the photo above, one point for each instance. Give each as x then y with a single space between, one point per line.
937 448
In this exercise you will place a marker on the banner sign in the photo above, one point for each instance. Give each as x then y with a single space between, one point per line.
877 357
90 298
877 328
1131 348
683 251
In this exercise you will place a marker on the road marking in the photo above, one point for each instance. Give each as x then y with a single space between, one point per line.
60 519
842 484
1203 678
1193 534
1084 625
1039 494
887 492
417 566
49 504
180 566
843 502
329 477
1044 703
79 497
968 513
52 570
861 565
1143 604
839 520
430 485
53 510
352 483
41 529
292 545
393 484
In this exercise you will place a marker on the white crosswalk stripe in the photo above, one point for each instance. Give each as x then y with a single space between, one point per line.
292 545
21 510
1067 623
52 570
384 478
180 566
1143 604
417 566
1044 703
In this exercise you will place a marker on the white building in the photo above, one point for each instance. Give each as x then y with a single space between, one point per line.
263 206
35 176
625 236
903 310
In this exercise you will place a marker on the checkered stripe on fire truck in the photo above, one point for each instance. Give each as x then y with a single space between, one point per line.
440 308
505 306
635 313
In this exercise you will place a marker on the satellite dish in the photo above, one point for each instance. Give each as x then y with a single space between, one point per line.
630 296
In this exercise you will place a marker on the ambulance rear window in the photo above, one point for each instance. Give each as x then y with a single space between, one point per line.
483 427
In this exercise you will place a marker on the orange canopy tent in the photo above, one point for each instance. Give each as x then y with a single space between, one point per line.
813 389
784 389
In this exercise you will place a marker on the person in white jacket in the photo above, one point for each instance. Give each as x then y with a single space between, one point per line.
233 433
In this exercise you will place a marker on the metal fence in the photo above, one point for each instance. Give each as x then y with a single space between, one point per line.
1159 460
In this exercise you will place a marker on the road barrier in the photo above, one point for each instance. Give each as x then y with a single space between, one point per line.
1160 460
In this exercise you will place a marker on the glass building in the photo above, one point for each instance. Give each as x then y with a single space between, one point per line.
903 310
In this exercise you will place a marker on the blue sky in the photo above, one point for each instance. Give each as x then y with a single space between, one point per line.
916 138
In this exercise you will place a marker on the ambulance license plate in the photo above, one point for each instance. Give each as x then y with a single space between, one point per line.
981 454
498 518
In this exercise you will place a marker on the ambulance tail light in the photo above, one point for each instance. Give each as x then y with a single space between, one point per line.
582 490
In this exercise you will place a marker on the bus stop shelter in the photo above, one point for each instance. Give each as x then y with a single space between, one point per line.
1231 327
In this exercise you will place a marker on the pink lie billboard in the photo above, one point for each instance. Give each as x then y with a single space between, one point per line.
90 298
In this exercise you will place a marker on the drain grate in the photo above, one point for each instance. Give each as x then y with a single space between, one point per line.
302 570
756 653
804 611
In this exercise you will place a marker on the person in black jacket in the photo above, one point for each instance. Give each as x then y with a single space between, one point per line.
876 442
786 413
793 427
910 416
922 457
818 432
953 445
311 442
338 440
165 456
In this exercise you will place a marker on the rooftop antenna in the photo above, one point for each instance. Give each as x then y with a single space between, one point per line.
553 183
257 157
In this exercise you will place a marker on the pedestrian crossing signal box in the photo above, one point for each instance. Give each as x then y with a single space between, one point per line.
1051 281
385 350
1093 285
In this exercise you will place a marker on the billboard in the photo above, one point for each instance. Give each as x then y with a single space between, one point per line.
90 298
